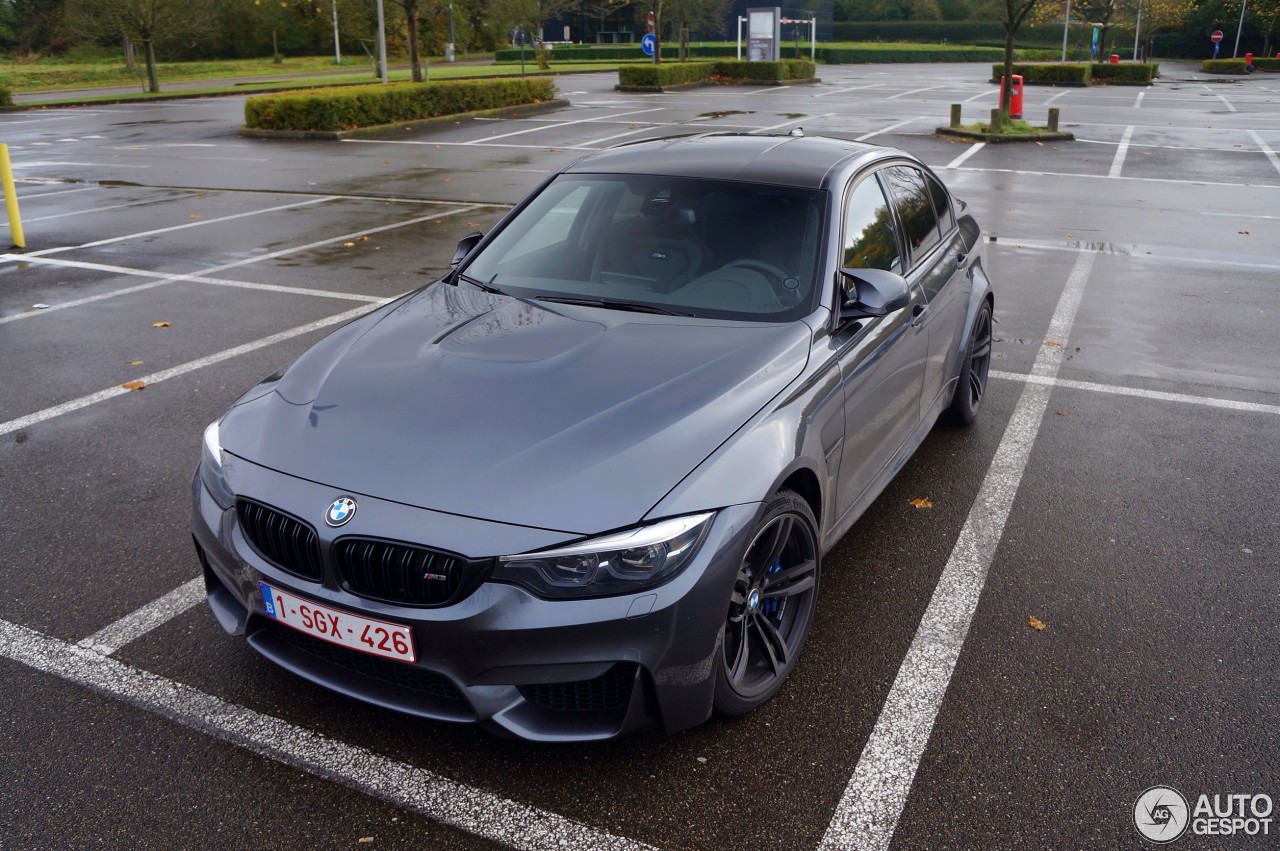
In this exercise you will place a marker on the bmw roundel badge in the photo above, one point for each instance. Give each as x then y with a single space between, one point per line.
340 511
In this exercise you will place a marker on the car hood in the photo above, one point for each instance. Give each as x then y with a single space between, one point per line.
565 418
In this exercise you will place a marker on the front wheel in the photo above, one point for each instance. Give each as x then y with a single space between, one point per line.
770 607
972 387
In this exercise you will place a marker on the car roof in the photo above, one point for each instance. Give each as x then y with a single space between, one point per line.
801 161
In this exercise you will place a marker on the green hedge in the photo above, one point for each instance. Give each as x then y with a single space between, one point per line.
1265 64
853 55
368 106
981 33
1224 66
6 97
1131 73
614 52
675 73
1072 73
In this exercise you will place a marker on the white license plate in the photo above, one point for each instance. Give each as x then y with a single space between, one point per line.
389 640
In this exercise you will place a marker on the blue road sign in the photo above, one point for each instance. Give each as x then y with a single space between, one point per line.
647 43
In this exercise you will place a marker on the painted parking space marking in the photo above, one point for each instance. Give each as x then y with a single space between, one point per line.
1140 393
449 802
1227 103
595 119
88 210
1266 149
248 261
182 369
1121 152
184 226
960 160
1085 175
1137 103
989 93
867 815
890 128
138 623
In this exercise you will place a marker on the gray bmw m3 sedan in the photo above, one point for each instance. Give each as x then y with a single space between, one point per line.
584 483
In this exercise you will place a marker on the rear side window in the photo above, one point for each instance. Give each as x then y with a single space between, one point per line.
869 241
914 208
941 203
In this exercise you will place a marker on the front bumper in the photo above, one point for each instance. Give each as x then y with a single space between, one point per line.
549 670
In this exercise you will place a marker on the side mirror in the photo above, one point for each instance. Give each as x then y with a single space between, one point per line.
872 292
465 245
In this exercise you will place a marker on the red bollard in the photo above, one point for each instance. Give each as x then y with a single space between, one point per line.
1115 59
1015 96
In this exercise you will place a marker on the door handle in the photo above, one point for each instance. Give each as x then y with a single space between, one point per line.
918 314
961 258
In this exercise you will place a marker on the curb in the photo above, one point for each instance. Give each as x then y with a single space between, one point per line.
998 138
699 84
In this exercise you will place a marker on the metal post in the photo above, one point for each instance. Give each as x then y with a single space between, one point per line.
813 38
337 50
1065 22
740 20
11 199
449 52
382 43
1240 27
1137 28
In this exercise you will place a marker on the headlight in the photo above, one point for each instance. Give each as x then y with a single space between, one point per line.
211 468
620 563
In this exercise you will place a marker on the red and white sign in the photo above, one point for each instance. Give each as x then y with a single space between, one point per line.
651 22
1216 36
379 638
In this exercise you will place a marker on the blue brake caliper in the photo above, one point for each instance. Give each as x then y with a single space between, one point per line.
770 606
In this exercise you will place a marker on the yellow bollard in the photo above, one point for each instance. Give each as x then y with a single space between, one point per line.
11 198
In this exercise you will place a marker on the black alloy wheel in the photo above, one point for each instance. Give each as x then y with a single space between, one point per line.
771 606
972 388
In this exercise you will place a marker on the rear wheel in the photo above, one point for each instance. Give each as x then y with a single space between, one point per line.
972 388
771 606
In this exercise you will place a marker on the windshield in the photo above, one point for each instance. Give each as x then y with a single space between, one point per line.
685 246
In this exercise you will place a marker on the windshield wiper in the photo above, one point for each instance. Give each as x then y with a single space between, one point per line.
479 284
611 304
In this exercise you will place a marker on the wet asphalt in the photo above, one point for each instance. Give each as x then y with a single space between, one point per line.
1143 533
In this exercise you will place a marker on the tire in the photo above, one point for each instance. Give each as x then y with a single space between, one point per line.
770 607
971 389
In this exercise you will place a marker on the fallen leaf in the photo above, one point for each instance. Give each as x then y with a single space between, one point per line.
1064 413
1039 144
386 162
363 239
134 385
135 363
200 197
161 324
1035 623
194 216
1243 232
366 840
473 224
1068 234
348 245
1053 343
922 502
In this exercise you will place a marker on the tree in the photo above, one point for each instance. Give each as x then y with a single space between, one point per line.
143 22
1011 14
1266 13
39 26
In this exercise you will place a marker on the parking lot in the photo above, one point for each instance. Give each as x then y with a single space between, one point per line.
1119 488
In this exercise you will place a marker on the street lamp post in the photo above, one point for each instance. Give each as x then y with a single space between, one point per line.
1240 27
1065 21
382 43
337 50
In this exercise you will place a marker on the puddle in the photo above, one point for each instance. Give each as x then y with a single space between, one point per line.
722 114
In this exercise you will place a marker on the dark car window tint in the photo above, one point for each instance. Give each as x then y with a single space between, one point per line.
941 203
869 242
914 208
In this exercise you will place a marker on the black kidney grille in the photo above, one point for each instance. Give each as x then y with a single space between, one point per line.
285 541
400 573
397 674
610 690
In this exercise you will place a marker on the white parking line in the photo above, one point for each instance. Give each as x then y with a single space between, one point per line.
1121 152
959 161
1060 94
989 93
1230 108
85 210
865 136
915 92
184 226
1138 392
1086 176
248 261
465 808
25 198
596 119
138 623
182 369
872 803
1266 149
848 89
1137 103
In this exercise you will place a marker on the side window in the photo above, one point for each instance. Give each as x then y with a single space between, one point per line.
869 241
914 208
941 203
